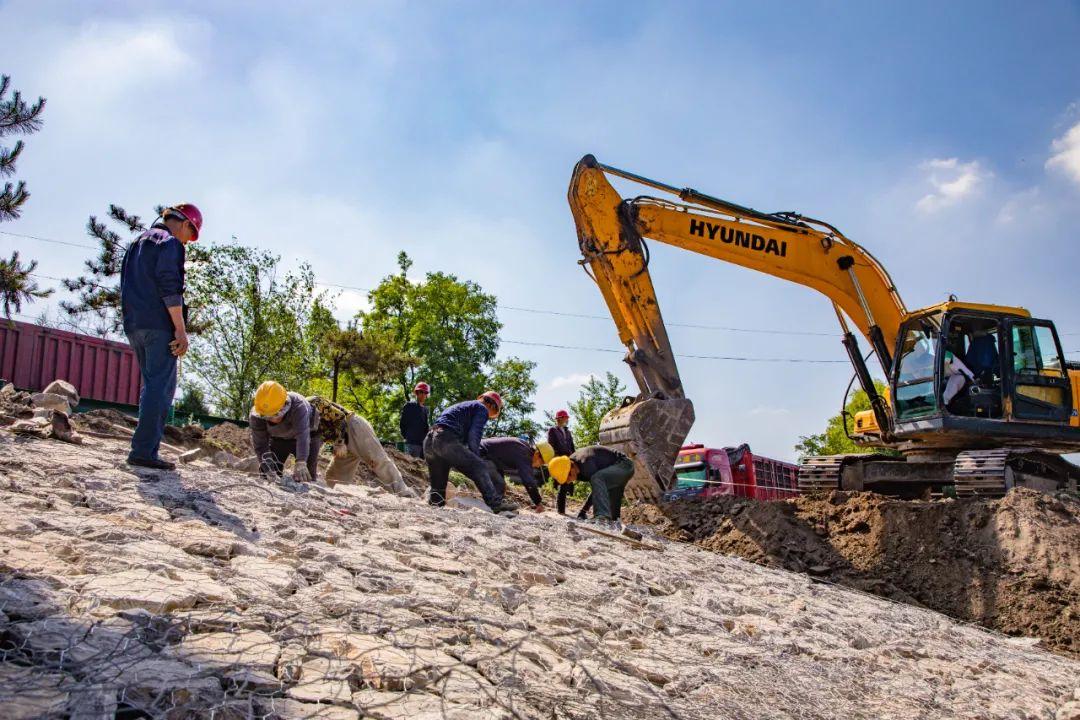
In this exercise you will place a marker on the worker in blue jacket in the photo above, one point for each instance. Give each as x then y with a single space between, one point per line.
152 306
453 443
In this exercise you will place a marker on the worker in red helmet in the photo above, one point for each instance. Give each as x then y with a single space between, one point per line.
414 422
155 321
453 443
559 437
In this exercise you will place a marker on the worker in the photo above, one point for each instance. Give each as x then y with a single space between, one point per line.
607 470
353 439
957 375
414 420
562 441
454 444
514 456
282 424
154 319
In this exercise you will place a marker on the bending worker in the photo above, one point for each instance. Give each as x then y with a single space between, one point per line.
514 456
280 415
414 420
454 444
283 424
607 470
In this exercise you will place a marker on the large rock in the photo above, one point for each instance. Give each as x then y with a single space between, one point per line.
28 694
283 579
51 401
250 650
155 592
65 389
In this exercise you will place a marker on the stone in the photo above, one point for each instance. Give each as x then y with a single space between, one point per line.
64 389
289 709
8 390
141 589
511 598
191 455
28 694
51 401
417 706
251 649
324 680
1068 711
283 579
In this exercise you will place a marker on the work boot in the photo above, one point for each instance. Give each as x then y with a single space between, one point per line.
400 489
504 506
153 463
539 508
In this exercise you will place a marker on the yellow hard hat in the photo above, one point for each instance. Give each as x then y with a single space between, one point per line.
546 451
559 468
269 399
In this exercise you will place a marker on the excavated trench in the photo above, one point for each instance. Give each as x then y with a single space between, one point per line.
1008 564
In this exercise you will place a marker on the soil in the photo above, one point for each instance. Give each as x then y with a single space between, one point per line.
230 438
1009 564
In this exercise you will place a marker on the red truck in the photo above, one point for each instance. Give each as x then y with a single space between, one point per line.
32 356
704 472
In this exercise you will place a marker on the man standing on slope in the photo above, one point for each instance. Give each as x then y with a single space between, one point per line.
152 306
414 420
454 444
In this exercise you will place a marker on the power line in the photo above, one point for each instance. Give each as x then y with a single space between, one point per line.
537 311
733 358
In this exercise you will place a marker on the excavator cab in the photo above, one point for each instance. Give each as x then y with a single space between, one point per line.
985 371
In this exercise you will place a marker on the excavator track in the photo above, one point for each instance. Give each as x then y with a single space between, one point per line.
982 473
821 473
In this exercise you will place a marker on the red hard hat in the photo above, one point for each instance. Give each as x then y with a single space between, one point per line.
189 212
493 397
422 387
562 414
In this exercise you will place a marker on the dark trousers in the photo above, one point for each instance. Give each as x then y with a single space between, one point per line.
565 490
444 451
608 486
499 480
157 365
282 448
417 451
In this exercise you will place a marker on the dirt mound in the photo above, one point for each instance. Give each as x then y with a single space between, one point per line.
230 438
1009 564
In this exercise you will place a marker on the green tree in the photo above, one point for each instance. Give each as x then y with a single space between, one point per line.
512 378
450 328
834 441
361 357
17 286
191 402
595 399
257 324
98 290
16 117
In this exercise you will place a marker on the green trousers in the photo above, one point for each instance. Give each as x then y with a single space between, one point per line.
608 486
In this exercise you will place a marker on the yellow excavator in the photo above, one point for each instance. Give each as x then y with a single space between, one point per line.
980 397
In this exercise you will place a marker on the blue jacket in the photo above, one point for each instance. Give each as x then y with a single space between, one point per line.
152 280
466 420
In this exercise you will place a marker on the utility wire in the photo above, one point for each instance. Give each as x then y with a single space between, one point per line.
694 357
537 311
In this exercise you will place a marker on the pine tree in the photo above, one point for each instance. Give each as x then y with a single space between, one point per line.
99 289
16 286
16 117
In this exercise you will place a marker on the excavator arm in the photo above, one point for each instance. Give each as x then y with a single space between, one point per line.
652 427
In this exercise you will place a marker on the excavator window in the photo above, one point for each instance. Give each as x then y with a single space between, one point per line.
915 394
1040 386
972 382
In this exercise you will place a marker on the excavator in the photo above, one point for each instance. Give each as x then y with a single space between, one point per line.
980 398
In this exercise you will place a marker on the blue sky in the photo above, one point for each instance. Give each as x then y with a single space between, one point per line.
944 137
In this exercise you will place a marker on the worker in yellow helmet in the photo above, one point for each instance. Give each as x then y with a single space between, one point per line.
284 424
606 470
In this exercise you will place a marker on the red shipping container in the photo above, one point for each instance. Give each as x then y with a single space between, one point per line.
32 356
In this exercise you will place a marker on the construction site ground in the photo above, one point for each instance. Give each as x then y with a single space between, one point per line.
210 592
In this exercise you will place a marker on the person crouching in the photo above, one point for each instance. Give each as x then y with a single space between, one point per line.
453 443
606 470
284 424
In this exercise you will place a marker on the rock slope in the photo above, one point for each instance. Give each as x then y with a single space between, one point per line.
210 593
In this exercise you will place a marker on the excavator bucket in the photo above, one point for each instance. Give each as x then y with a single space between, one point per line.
649 431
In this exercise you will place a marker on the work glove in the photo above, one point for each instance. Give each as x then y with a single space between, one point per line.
341 449
301 474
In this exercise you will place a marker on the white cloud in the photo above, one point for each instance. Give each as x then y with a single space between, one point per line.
952 181
1066 157
575 380
1023 204
768 411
